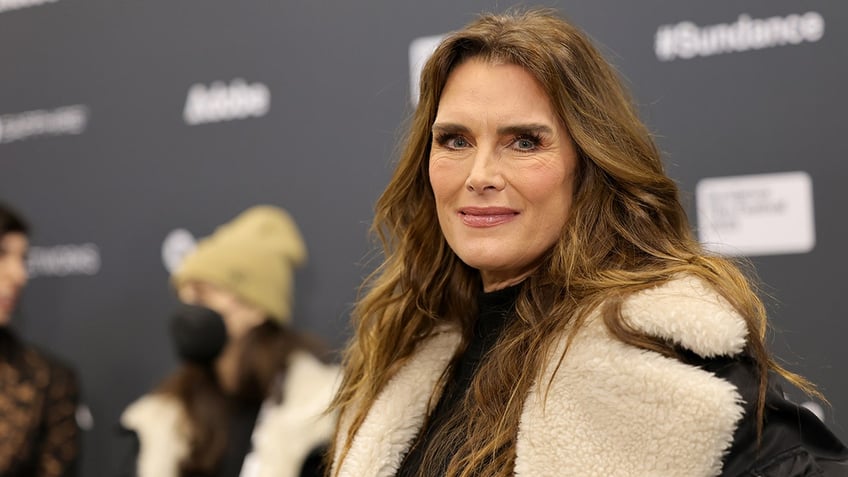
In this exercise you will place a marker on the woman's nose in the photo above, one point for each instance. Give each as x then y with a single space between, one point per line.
485 173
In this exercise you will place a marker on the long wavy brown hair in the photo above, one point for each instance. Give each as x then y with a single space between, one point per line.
627 231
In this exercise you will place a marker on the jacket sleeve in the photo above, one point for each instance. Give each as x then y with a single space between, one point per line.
794 442
59 452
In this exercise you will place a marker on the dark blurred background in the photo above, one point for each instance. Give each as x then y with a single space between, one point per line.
127 128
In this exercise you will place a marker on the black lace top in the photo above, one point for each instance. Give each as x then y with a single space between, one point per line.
39 436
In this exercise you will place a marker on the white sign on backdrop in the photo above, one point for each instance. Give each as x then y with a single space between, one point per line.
177 244
686 40
64 260
763 214
42 122
419 52
222 101
6 5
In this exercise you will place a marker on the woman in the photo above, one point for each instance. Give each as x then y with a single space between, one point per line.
257 408
561 320
39 436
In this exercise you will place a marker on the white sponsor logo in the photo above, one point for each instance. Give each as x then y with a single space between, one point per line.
225 102
687 40
419 52
177 244
29 124
763 214
64 260
84 418
6 5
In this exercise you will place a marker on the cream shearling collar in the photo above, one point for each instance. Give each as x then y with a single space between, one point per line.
283 438
612 409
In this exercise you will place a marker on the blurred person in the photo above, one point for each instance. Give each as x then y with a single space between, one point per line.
543 308
39 436
256 407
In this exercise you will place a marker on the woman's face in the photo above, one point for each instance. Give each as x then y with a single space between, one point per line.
239 316
13 272
502 170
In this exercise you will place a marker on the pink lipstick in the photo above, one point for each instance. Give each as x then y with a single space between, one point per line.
486 216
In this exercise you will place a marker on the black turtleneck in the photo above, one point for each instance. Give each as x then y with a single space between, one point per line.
494 310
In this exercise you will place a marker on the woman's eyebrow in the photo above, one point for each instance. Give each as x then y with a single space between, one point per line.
519 129
449 128
514 129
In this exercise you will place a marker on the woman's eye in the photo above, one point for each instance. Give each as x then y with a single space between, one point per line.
526 144
458 142
452 142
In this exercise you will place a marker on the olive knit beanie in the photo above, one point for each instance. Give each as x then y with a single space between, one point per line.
253 256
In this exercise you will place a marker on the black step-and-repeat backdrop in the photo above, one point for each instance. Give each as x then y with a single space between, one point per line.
128 129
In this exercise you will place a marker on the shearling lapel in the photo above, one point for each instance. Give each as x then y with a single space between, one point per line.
163 434
687 311
611 409
287 432
398 414
283 437
616 410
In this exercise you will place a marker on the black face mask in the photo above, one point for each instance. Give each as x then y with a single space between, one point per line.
198 333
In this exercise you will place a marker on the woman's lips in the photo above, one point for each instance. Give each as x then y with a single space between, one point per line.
486 216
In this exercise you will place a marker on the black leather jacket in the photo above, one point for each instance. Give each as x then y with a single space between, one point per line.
794 442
